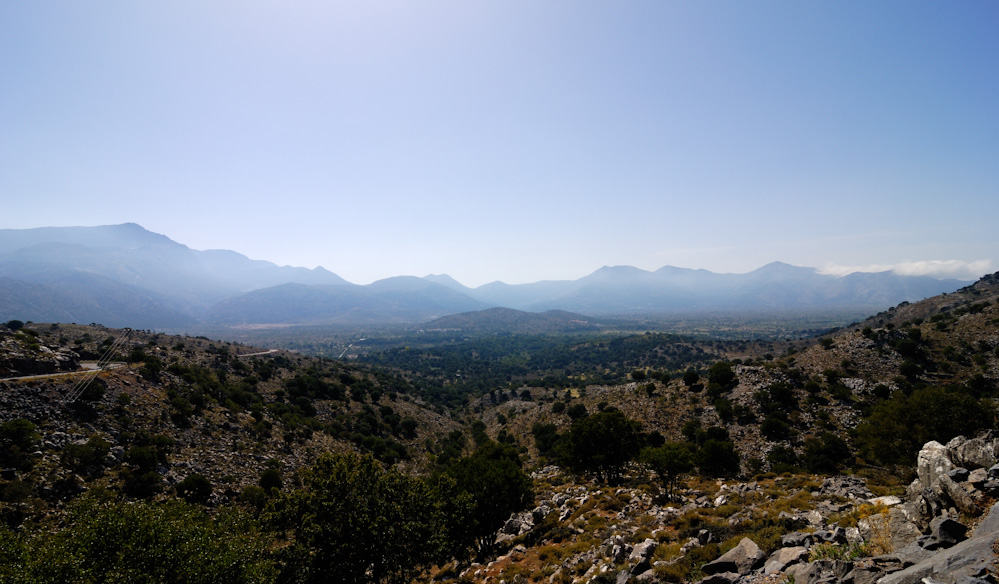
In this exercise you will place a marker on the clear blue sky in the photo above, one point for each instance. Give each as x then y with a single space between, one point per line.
513 140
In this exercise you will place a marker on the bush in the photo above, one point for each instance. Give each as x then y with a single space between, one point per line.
195 488
270 480
82 458
576 411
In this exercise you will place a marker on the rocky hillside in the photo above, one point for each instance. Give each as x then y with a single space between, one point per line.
844 464
858 385
943 528
225 412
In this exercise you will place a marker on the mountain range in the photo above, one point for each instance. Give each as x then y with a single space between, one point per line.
125 275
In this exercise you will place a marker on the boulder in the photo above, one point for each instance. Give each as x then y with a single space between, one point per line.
781 559
834 535
643 551
743 558
966 561
971 558
903 526
946 532
704 537
518 524
797 539
886 501
721 578
962 499
819 571
959 474
540 512
990 523
846 487
932 462
978 477
975 453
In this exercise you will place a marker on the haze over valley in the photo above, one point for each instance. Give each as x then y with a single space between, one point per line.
125 275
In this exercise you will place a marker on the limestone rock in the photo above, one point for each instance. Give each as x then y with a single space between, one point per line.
721 578
961 498
975 453
741 559
932 462
947 532
797 539
643 551
970 558
819 571
781 559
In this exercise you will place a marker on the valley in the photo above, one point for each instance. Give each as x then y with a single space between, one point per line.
532 453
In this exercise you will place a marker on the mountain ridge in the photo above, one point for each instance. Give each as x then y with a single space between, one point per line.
178 286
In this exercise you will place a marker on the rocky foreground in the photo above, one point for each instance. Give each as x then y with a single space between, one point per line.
944 528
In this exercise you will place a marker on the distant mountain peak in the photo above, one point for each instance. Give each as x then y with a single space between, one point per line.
445 280
782 267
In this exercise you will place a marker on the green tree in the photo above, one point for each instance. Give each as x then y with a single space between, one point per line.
721 373
577 411
162 543
783 459
546 437
355 522
602 444
270 480
18 441
141 478
899 426
495 486
774 428
670 462
825 454
718 458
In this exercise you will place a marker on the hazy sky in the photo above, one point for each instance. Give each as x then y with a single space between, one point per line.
513 140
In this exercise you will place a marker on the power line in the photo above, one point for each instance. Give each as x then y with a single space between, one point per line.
103 362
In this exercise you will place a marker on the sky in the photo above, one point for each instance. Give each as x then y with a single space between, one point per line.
513 140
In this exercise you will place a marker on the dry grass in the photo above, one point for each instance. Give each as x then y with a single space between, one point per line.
878 522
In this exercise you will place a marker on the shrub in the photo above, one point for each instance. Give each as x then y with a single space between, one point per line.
195 488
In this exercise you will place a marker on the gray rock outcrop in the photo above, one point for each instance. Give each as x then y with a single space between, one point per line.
742 559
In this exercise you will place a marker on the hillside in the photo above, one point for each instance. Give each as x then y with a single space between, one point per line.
767 429
221 414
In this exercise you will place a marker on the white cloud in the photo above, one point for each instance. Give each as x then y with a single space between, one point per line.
958 269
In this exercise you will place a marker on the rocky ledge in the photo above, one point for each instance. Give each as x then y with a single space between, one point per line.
944 529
